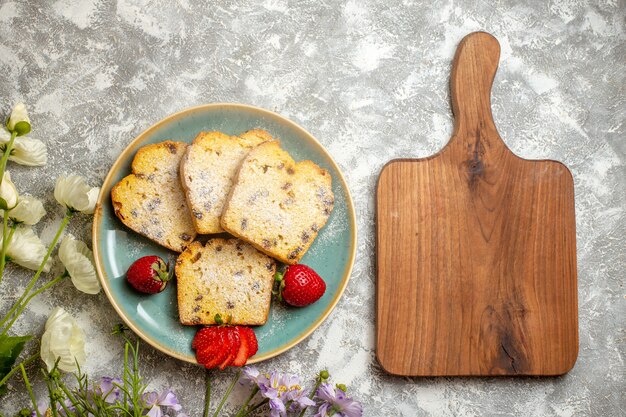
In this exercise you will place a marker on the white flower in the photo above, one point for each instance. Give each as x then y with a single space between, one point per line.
26 150
29 210
62 339
5 135
26 249
8 192
78 260
75 194
29 151
19 121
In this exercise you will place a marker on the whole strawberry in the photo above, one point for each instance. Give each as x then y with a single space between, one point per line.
148 274
300 285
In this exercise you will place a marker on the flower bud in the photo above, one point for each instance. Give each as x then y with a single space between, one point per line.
324 375
18 121
8 193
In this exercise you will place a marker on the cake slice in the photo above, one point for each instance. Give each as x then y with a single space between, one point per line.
277 205
226 277
151 201
207 171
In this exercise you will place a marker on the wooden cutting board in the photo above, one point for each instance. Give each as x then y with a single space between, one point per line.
476 248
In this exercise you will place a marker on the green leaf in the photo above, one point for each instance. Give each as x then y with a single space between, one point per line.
10 349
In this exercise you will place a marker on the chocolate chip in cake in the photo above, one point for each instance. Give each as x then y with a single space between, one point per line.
196 257
172 148
218 248
290 171
197 214
244 224
153 204
305 237
230 305
198 297
287 186
294 253
185 237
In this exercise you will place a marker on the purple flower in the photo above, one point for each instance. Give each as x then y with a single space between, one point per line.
297 399
109 389
165 399
283 391
252 376
277 408
335 402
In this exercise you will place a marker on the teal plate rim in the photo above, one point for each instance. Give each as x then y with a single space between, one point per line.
127 155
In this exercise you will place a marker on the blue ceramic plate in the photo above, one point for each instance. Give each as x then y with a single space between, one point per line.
155 318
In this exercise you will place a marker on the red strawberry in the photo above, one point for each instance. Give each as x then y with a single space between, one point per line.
233 347
253 344
244 346
222 346
300 285
210 346
148 274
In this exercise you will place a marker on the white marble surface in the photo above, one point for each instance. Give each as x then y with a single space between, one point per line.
370 80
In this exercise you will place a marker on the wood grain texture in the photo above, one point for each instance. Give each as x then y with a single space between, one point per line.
476 248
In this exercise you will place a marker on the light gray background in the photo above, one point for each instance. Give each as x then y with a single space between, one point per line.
369 79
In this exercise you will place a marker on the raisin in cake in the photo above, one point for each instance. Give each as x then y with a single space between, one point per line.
278 205
226 277
151 201
207 172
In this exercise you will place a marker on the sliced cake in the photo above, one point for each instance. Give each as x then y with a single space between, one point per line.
226 277
277 205
151 201
207 172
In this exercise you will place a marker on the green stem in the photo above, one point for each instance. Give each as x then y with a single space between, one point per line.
5 242
67 393
318 382
17 367
227 394
262 403
5 156
30 297
207 395
33 281
68 413
53 401
30 390
243 407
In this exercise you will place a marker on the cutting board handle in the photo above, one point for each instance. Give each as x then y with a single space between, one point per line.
473 71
